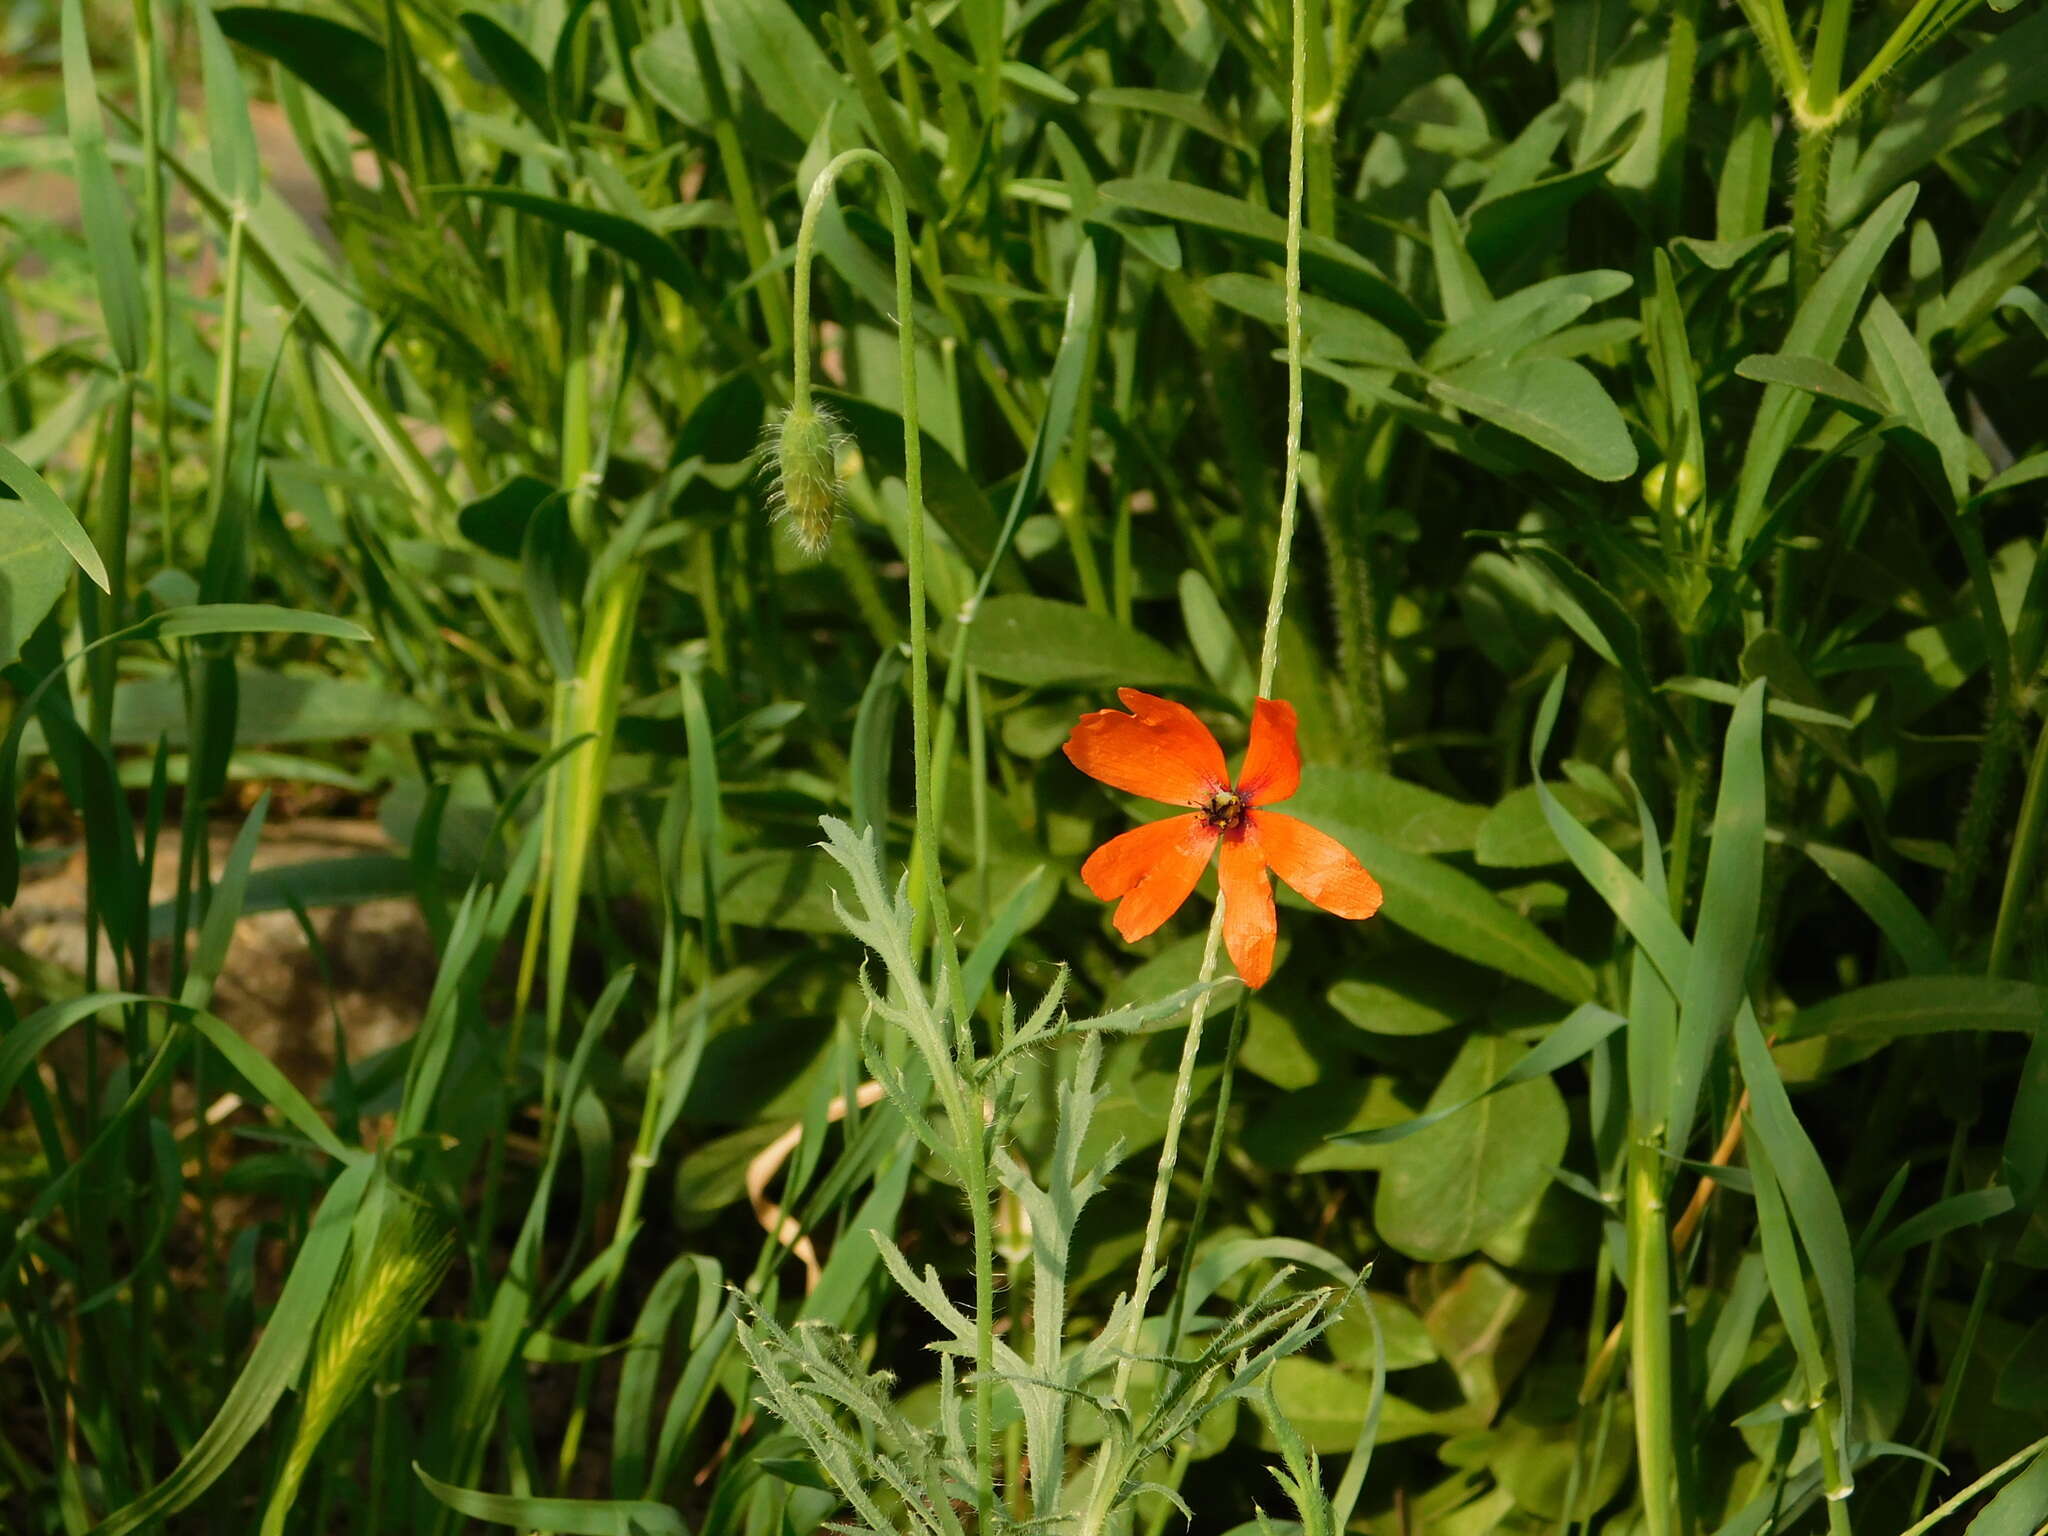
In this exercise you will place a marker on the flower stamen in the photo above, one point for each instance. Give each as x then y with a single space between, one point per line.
1225 811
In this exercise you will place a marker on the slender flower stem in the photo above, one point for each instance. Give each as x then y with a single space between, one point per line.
1217 1132
969 1117
1269 659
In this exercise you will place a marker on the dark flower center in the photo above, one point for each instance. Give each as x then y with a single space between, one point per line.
1225 811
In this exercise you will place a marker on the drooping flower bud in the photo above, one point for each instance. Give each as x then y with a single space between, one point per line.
806 442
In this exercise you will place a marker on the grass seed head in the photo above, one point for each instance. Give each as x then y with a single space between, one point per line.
807 490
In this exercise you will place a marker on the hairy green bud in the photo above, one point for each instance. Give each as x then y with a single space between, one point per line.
806 442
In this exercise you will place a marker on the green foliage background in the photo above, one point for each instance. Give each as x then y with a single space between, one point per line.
1667 629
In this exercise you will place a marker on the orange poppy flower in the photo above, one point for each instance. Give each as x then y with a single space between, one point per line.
1161 751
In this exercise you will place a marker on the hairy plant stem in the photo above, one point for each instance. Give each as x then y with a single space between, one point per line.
969 1116
1269 659
1974 832
1809 187
1343 515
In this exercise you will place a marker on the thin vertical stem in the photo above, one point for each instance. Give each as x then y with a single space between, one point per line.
1269 659
2021 868
148 84
969 1118
1649 1321
1210 1164
1809 186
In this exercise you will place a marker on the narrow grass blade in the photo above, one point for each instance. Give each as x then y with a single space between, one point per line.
1585 1027
1809 1192
50 510
1717 976
109 226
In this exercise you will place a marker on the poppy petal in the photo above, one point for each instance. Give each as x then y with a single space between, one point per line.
1154 868
1272 763
1317 865
1158 750
1250 928
1119 864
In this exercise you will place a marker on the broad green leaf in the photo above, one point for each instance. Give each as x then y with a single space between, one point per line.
1503 327
796 79
1045 644
1501 227
1551 1468
237 168
1215 643
568 1517
951 495
109 226
1185 109
1447 1190
274 709
38 515
1987 87
1809 1193
2005 250
1409 816
1971 1208
1742 191
1910 380
1461 289
1391 1004
1516 833
1451 910
1814 377
254 619
523 77
35 568
1328 328
1911 935
1326 1405
344 66
773 888
1079 332
646 247
2020 1508
1330 267
1817 331
1555 404
1924 1005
